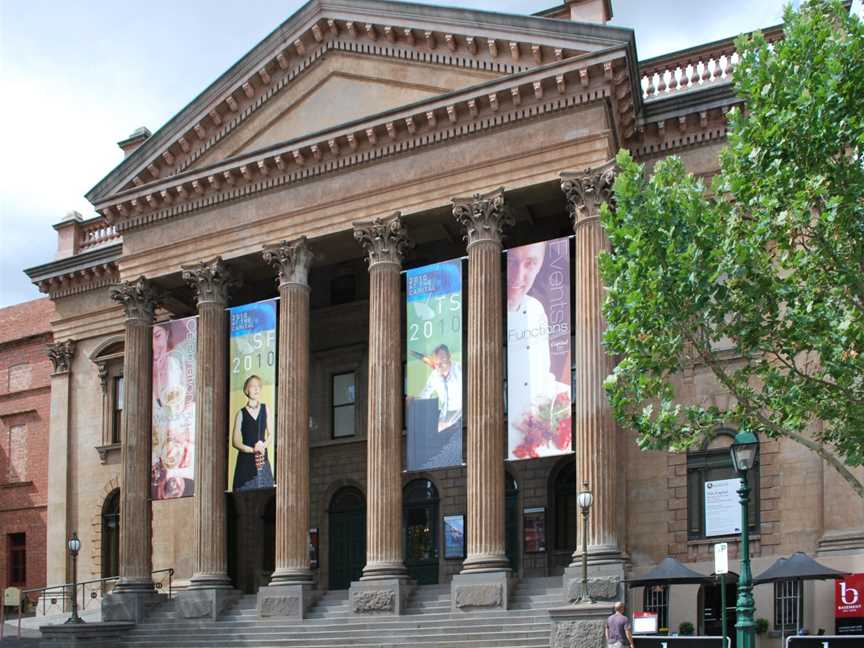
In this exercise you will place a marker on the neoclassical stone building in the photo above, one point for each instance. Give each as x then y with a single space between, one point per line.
358 140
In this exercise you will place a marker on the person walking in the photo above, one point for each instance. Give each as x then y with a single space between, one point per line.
618 631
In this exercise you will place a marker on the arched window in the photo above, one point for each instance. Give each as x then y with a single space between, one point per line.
111 535
108 358
566 508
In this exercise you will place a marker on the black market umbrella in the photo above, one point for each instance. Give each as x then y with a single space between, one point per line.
798 567
670 572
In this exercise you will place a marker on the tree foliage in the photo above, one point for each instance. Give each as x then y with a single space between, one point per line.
762 280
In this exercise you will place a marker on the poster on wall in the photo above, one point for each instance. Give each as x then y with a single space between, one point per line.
539 419
849 605
252 396
534 529
722 507
433 381
454 536
172 465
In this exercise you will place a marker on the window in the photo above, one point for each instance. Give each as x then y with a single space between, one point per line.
117 395
17 453
788 605
111 535
17 543
20 377
712 465
656 599
343 392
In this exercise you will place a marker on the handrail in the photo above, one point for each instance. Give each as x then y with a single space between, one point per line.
83 585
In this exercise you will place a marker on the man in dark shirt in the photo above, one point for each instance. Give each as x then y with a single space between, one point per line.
618 634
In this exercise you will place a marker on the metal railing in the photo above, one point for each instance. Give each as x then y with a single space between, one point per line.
100 586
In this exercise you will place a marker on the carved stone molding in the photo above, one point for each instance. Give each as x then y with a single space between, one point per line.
587 190
103 376
139 299
483 216
291 259
211 280
61 354
384 239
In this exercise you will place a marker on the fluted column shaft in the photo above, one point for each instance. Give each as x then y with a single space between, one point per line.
210 280
483 218
292 424
384 241
595 430
136 562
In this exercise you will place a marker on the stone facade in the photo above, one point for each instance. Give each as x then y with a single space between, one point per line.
329 127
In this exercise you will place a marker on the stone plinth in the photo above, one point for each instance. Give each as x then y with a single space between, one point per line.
480 591
579 626
128 605
288 601
204 602
605 583
383 597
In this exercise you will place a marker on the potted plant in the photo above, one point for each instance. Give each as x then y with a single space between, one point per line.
686 629
761 626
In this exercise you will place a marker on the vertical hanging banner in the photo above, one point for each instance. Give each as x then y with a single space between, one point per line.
172 466
252 396
433 381
538 350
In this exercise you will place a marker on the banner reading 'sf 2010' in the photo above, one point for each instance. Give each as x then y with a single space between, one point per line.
434 366
252 396
538 350
172 469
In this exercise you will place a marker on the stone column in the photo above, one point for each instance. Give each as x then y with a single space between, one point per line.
210 588
290 590
136 582
59 529
486 570
596 434
382 588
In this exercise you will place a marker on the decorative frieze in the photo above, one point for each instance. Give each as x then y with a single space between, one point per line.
61 354
483 216
211 280
139 299
291 259
384 240
586 191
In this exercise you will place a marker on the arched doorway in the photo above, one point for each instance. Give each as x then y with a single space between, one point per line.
420 515
511 522
347 537
710 618
111 534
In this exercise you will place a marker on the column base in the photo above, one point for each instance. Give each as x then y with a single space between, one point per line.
488 590
128 605
605 578
206 597
380 595
579 626
288 601
485 563
292 577
384 571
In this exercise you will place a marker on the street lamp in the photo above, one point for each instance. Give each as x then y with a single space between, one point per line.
745 453
585 499
74 546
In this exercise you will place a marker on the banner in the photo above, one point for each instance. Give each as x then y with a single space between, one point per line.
538 350
433 381
252 396
849 604
172 464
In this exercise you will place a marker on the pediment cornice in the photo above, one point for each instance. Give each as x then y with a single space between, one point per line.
438 35
545 89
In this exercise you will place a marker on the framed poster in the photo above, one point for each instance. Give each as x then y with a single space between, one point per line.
454 537
313 548
534 529
722 507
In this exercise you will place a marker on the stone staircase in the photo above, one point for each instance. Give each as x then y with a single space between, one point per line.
426 622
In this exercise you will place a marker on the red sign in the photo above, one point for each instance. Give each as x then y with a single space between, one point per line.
849 597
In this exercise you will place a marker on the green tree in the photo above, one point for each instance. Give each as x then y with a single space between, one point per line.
769 265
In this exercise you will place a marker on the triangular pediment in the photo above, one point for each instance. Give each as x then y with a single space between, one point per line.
337 61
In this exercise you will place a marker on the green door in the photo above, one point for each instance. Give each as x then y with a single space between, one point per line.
347 539
420 513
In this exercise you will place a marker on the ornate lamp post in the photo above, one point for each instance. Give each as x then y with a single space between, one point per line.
585 499
74 545
745 452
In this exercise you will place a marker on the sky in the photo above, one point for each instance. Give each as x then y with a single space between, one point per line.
77 76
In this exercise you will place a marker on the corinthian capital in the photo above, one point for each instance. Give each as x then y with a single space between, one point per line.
61 354
139 299
384 239
587 190
211 280
291 259
483 216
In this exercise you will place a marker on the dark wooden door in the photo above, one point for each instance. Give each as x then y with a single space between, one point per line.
420 521
511 523
347 538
